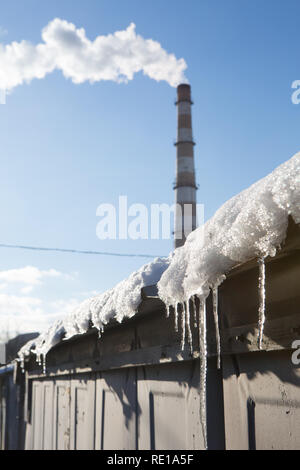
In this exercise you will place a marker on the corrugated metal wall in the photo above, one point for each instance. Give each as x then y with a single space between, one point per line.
155 407
264 388
136 389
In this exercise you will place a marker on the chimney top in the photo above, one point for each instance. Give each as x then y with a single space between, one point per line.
184 92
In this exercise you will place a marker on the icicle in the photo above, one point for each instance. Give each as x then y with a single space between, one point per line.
168 311
44 364
188 326
216 317
195 312
203 368
101 331
176 313
183 321
262 300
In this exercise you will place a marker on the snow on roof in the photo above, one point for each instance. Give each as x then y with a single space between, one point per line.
251 224
118 303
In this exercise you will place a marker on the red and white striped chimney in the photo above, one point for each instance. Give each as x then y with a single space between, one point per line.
185 184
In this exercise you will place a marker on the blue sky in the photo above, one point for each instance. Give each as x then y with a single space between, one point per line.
67 148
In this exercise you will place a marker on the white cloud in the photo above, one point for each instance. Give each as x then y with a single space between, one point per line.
26 290
13 304
27 275
115 57
21 314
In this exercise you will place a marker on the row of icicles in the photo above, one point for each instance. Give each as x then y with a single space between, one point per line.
183 315
183 310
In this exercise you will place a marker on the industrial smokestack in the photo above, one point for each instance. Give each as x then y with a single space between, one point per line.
185 184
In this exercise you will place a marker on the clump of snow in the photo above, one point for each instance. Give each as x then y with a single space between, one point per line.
251 224
118 303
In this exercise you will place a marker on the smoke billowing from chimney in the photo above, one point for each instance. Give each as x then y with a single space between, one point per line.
116 57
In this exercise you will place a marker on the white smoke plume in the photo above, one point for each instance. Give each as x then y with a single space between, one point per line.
115 57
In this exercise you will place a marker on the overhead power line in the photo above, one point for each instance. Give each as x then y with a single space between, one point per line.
83 252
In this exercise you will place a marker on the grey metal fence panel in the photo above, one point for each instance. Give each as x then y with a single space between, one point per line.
153 407
82 410
37 415
168 397
157 406
62 423
48 414
116 408
262 403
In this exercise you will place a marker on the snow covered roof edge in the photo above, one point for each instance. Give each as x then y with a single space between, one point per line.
251 224
115 304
